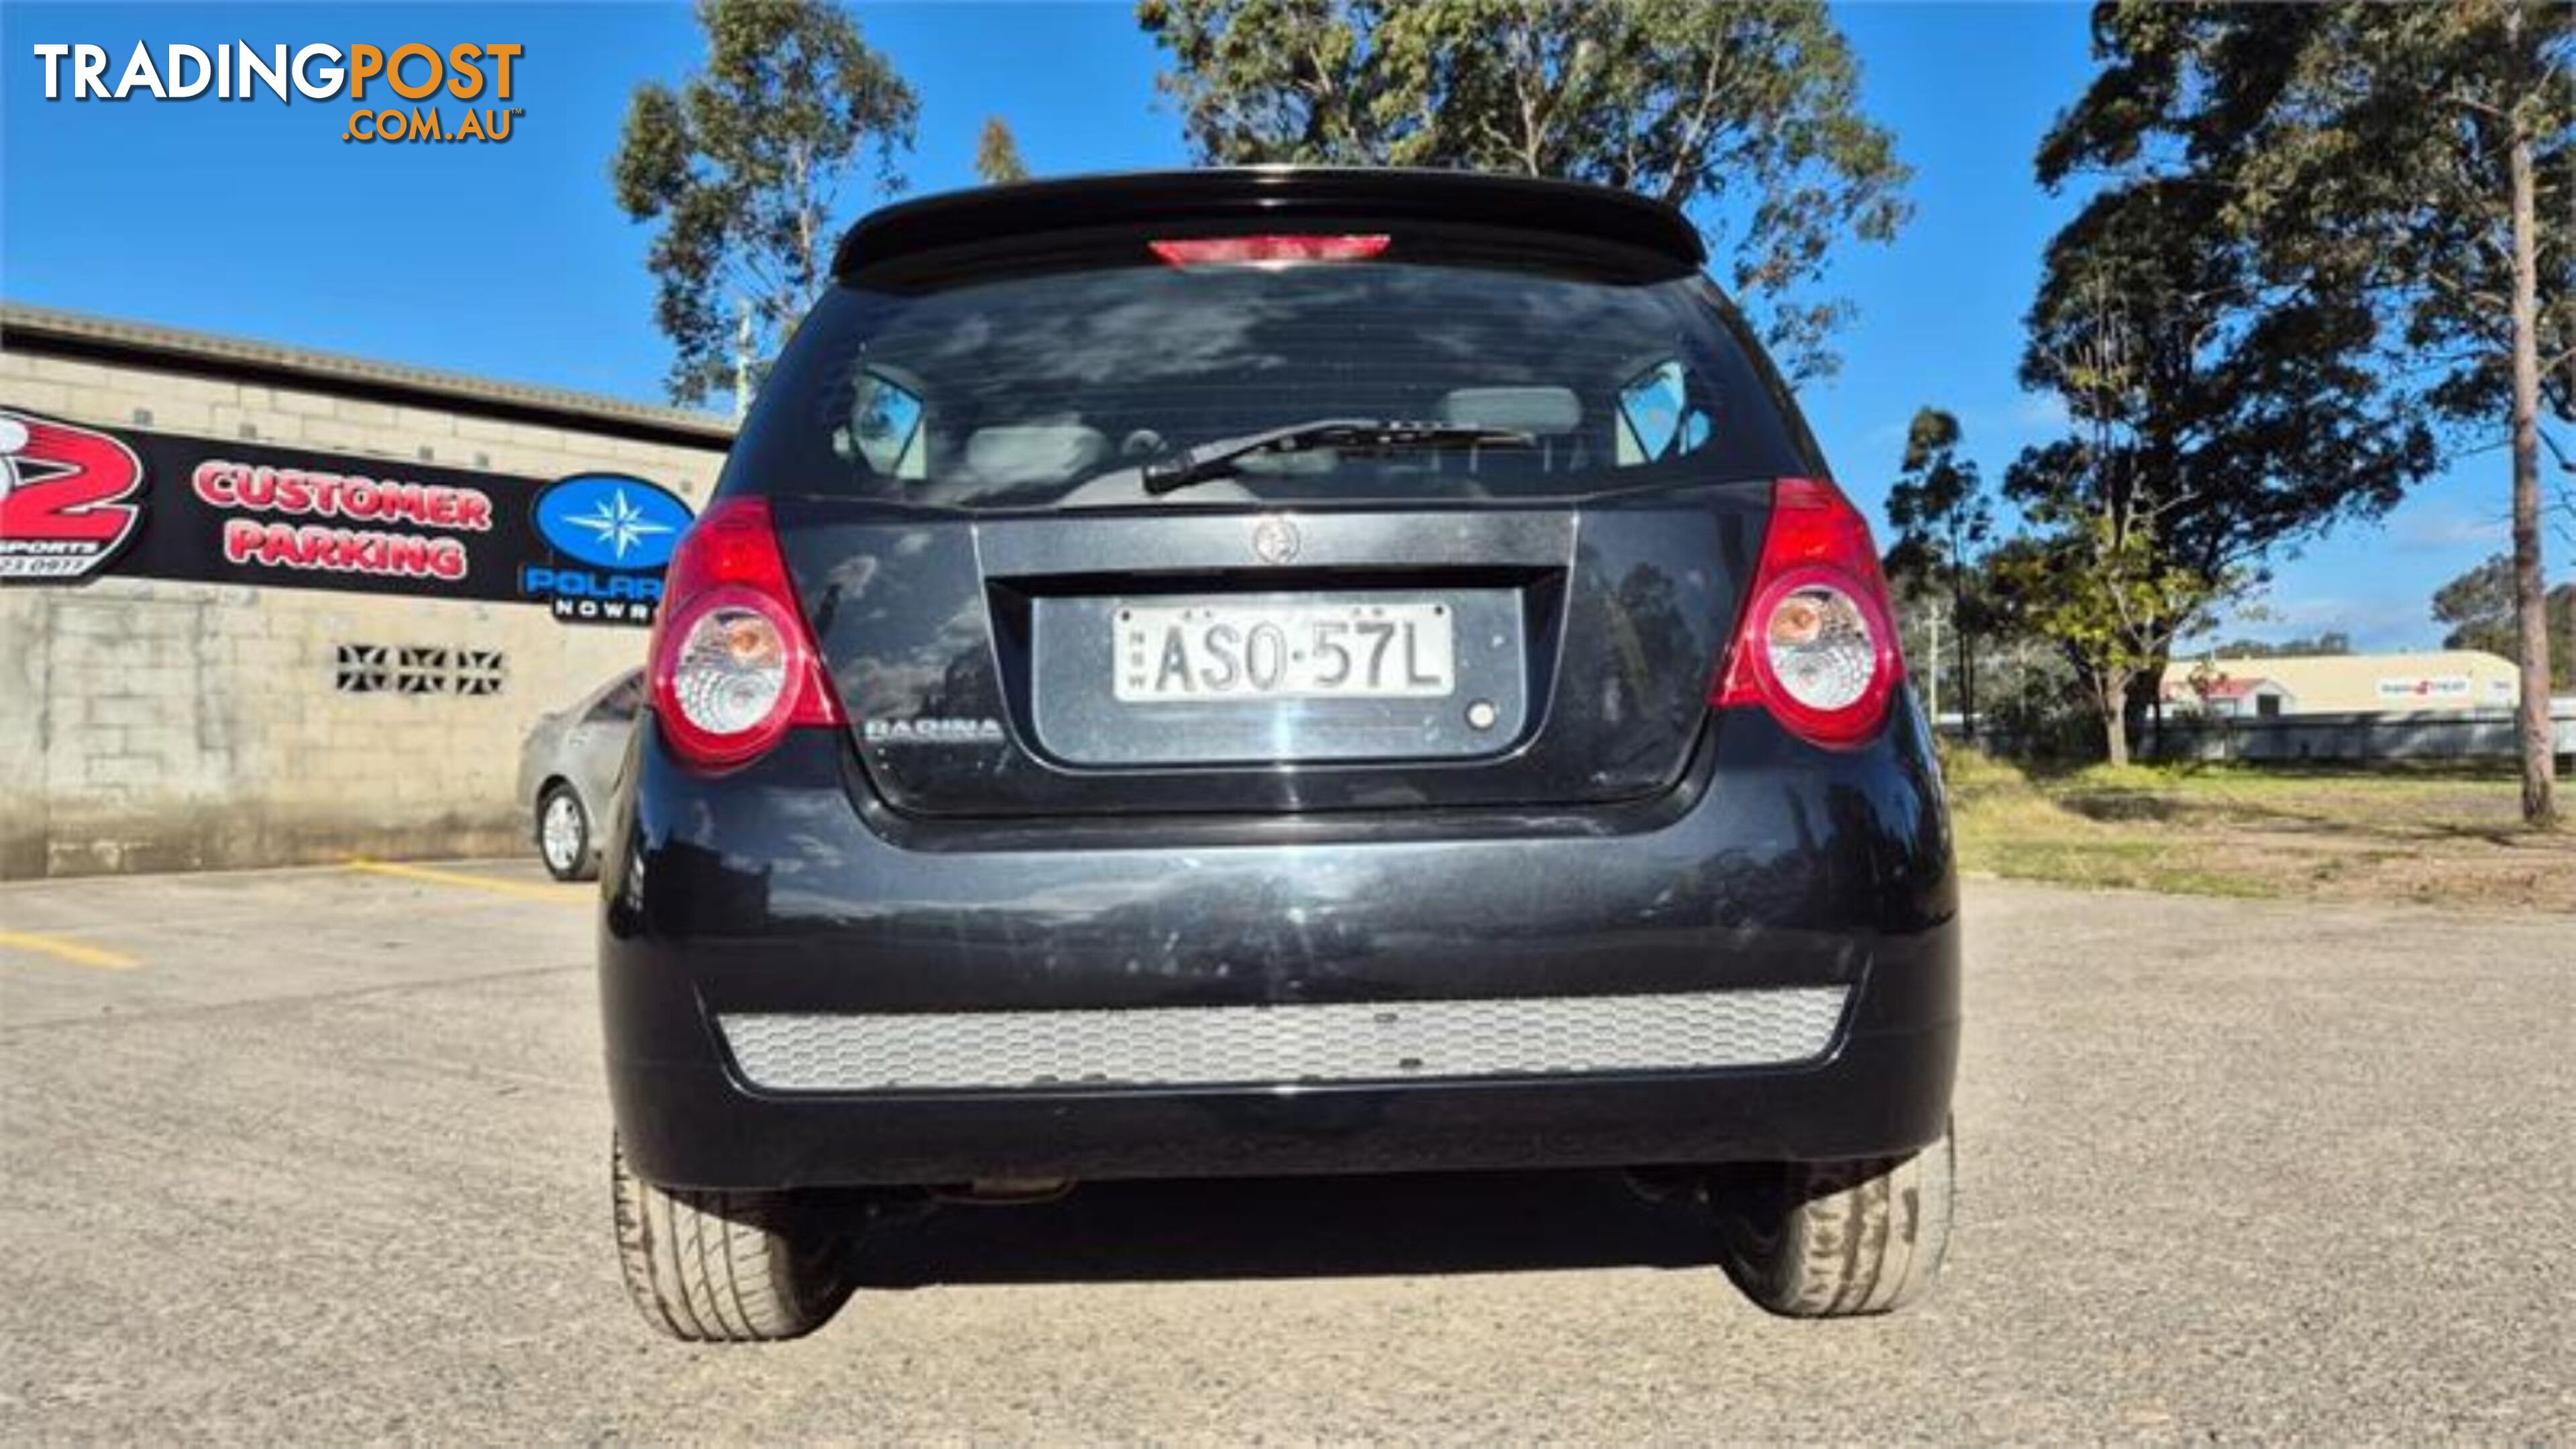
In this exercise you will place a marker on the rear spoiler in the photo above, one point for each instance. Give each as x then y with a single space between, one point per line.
1268 198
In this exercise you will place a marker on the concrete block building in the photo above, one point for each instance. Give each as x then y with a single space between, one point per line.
264 606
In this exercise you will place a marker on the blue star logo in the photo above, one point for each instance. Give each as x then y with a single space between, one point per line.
619 523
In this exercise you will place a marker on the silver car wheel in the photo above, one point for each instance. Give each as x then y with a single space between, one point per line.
560 832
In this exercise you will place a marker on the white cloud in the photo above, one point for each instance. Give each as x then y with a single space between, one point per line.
2375 624
2040 412
2449 530
1994 434
1886 437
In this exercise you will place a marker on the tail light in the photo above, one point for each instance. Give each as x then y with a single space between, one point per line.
1817 647
1266 251
734 666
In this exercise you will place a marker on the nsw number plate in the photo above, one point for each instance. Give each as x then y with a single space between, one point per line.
1322 650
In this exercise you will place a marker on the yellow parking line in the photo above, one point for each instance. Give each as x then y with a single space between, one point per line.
72 952
568 895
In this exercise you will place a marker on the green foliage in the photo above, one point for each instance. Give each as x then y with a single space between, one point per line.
743 165
2110 597
997 154
2237 417
1942 517
2381 157
2358 150
1745 114
2406 176
2224 408
2478 607
1938 505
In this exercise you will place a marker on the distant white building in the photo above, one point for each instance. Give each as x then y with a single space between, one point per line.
2448 679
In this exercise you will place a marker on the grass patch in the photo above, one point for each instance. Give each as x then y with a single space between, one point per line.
2443 835
2122 864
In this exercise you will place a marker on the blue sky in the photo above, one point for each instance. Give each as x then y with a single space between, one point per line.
258 219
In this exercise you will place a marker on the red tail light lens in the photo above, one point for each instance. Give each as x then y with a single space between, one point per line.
1817 647
734 667
1266 251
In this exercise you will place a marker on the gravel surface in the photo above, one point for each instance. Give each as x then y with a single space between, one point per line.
326 1163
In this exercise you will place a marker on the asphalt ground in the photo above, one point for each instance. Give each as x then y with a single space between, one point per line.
318 1156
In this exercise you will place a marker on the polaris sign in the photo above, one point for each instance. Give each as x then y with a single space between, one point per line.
610 537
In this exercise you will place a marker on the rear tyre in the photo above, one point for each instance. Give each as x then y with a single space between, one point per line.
726 1267
1837 1239
563 835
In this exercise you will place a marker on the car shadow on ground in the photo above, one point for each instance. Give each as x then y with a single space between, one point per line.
1295 1228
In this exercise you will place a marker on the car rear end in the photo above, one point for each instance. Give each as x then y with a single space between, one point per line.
1548 799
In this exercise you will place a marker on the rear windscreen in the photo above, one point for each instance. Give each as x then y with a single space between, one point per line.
1055 388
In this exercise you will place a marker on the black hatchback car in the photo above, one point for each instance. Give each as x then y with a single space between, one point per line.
1275 672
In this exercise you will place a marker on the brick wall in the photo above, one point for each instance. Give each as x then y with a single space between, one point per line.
147 725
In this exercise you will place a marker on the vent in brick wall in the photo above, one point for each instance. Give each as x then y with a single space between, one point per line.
478 671
422 671
412 669
364 669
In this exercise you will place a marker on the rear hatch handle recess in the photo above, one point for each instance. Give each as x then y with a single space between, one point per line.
1365 435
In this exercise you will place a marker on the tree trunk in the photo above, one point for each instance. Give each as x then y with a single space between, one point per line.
1968 684
2530 597
2112 693
742 362
2141 708
1967 644
809 266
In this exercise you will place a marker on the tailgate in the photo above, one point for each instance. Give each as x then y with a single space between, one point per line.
1324 658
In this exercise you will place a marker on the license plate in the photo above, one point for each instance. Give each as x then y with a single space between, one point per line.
1322 650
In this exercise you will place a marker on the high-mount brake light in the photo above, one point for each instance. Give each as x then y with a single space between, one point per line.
1817 647
734 666
1266 251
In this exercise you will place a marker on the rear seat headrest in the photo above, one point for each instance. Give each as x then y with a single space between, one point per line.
1546 411
1034 452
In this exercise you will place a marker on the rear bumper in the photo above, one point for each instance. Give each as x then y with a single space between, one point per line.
697 1125
1776 870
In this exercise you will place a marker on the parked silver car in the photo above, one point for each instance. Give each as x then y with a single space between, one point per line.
568 772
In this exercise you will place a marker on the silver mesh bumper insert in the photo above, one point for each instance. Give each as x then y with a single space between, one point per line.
1225 1045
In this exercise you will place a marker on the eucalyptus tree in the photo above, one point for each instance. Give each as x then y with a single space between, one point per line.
1943 519
2223 409
744 166
2417 160
997 154
1746 115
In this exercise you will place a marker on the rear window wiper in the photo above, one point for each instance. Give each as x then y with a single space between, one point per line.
1366 435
